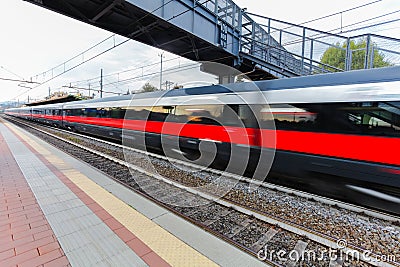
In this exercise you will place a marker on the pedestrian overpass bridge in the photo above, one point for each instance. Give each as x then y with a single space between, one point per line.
220 31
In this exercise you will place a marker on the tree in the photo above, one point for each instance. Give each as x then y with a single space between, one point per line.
148 88
335 56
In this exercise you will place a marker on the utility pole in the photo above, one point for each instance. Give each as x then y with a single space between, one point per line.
168 85
162 56
49 91
101 83
89 90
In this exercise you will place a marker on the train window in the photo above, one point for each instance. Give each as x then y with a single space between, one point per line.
136 113
89 112
202 114
230 117
76 112
117 113
247 115
296 117
377 118
157 113
102 113
160 113
371 118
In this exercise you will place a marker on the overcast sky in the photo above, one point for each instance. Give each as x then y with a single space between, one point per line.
35 39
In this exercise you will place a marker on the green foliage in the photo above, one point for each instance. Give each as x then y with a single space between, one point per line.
335 56
148 88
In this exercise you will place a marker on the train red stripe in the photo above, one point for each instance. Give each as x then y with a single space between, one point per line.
358 147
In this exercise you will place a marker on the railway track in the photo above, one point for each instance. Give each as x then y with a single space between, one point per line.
275 224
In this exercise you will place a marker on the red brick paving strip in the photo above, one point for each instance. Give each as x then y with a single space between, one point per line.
26 238
141 249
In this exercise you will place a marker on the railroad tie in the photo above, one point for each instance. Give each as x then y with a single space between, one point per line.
299 248
240 227
334 263
264 239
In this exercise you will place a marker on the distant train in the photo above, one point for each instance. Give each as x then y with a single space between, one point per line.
337 134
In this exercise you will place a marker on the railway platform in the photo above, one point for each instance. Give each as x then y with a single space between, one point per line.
59 211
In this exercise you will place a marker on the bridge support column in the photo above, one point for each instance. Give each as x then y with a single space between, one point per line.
226 79
224 73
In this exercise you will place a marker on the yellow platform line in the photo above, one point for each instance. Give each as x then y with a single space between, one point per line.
166 245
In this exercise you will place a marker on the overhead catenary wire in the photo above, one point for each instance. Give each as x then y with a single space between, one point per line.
330 15
172 70
81 88
373 25
177 69
93 57
102 41
74 57
323 34
17 80
125 71
13 73
116 45
168 71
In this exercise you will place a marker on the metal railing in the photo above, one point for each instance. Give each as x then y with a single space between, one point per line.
301 50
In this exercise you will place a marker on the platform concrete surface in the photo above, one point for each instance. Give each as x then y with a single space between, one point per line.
96 221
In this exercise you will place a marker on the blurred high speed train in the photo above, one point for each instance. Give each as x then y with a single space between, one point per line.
337 134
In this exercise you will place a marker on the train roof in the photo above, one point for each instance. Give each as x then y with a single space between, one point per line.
337 78
322 80
330 79
49 106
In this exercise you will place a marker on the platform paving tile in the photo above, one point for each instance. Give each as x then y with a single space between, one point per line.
82 256
73 241
106 245
149 209
60 262
22 222
70 213
67 227
55 207
77 228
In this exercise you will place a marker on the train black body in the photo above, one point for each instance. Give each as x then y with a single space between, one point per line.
336 134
